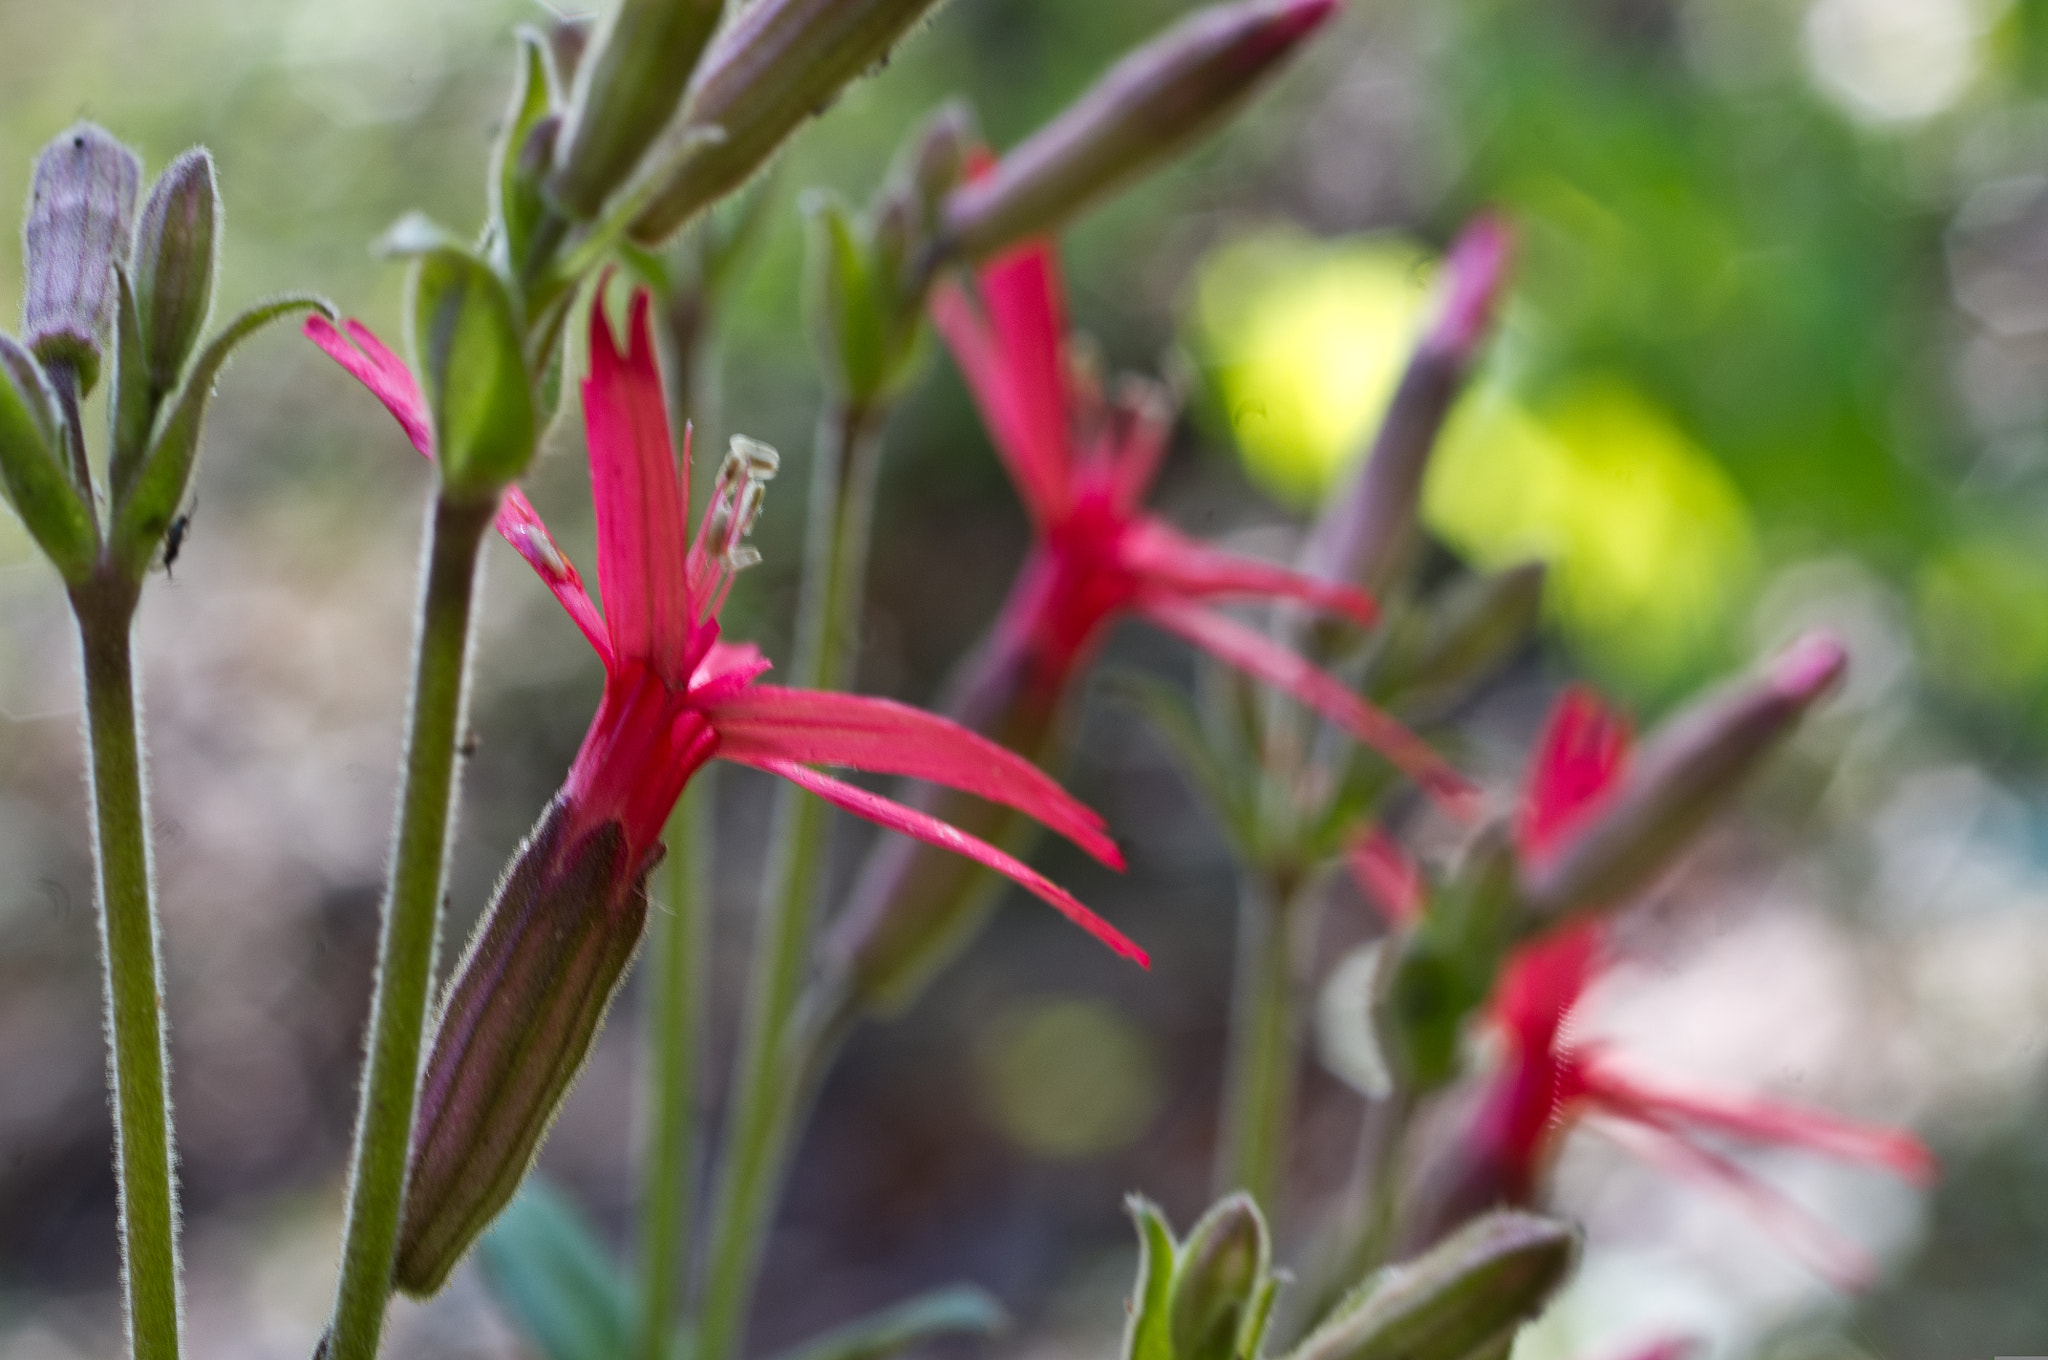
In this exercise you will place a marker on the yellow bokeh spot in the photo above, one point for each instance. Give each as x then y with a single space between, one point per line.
1064 1077
1649 544
1307 340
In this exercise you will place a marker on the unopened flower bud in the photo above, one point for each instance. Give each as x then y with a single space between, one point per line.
1687 772
626 91
940 157
33 467
1222 1273
1444 967
79 211
1462 1300
1468 633
780 62
472 371
518 1022
1366 535
173 265
1149 106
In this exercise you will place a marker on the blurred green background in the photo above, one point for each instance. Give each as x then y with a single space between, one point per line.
1777 355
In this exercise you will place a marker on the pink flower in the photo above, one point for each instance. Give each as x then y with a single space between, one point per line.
1547 1078
1082 466
675 696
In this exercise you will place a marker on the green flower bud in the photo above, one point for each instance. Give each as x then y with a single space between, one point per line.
1465 635
1685 774
780 62
172 271
1464 1299
625 94
1445 967
1220 1284
79 210
1149 106
467 345
518 1021
34 469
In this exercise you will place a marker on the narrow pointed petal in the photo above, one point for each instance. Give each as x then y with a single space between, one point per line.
1579 762
377 368
1386 875
1176 565
1763 1121
1543 984
923 826
815 727
1022 293
1259 656
372 364
1840 1261
727 668
641 534
1039 469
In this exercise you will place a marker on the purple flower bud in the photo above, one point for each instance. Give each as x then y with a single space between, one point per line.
1366 534
79 210
625 95
1149 106
1687 772
517 1023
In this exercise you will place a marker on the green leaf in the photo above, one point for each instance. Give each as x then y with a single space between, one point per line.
517 198
468 341
840 299
157 488
957 1310
1148 1336
556 1283
34 468
135 396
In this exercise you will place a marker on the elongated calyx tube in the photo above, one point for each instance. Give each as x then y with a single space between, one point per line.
517 1023
780 62
1685 773
1366 534
625 94
1146 108
80 207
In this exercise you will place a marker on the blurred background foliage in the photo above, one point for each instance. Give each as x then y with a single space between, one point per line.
1777 355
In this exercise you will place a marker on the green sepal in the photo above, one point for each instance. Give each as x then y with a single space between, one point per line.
841 302
34 469
158 485
518 200
554 1281
1213 1309
467 344
955 1311
1461 1300
1444 969
1148 1333
135 399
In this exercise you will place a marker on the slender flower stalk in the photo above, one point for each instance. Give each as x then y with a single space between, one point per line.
531 992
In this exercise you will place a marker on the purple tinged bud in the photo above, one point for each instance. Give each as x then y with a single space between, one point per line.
1147 108
1467 1296
1367 534
173 265
79 211
625 94
1685 774
516 1025
777 64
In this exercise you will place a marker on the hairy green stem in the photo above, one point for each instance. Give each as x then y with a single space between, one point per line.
766 1089
411 930
679 952
131 953
1265 1041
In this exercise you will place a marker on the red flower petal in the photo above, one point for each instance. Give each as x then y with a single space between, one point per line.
813 727
932 831
1579 762
642 539
1177 565
1259 656
1386 875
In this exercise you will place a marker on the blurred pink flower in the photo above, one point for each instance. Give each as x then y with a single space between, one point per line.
675 696
1082 465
